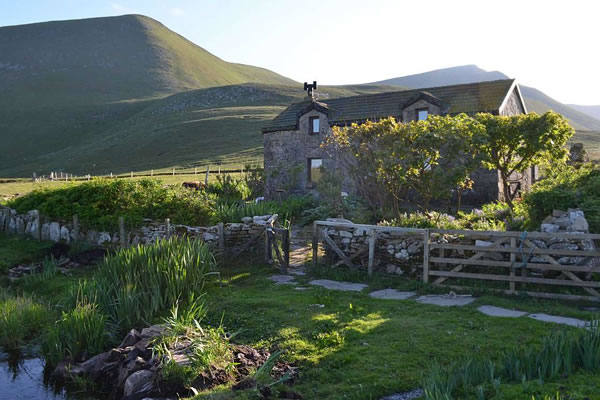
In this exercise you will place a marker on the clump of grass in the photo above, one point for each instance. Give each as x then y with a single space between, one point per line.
49 271
562 352
136 285
21 318
78 333
206 347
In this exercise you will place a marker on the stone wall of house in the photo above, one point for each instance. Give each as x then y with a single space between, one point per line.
401 253
410 114
286 155
30 223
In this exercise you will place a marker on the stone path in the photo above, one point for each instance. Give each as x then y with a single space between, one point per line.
446 300
493 311
391 294
413 394
300 246
337 285
560 320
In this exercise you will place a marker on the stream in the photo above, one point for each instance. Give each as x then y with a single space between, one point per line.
22 378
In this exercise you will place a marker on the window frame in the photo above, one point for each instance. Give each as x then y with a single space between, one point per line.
418 110
309 170
311 125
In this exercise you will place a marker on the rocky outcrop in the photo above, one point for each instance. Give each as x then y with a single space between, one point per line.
133 370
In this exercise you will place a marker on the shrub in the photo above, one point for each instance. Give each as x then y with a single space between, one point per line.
98 203
21 318
136 285
565 187
79 332
229 189
291 208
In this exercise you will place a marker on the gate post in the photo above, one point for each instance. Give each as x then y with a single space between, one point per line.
426 256
372 238
315 244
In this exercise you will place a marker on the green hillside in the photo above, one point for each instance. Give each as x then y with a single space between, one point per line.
534 99
65 84
592 111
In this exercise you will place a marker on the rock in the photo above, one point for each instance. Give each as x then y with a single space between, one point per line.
570 260
132 366
20 226
54 232
579 223
483 243
550 228
260 218
345 234
209 237
153 331
131 338
558 213
402 255
339 220
587 245
361 231
104 238
540 243
390 268
415 247
247 220
564 246
399 271
94 366
139 382
65 234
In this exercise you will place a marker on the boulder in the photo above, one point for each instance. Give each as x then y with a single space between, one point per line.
45 231
138 383
550 228
390 268
209 237
247 220
54 233
65 234
153 331
339 220
402 255
132 337
104 238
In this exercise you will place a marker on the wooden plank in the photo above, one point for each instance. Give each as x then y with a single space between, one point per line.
530 235
543 295
536 251
507 264
477 256
315 244
286 251
426 243
491 277
513 259
354 256
372 239
340 253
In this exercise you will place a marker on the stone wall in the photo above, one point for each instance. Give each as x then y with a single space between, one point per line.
402 253
30 223
409 113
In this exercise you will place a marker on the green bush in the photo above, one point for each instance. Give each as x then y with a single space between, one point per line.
229 189
100 202
78 333
136 285
562 188
21 318
291 208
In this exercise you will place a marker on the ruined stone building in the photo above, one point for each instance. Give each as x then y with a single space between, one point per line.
294 159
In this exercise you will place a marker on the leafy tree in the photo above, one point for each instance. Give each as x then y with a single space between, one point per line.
513 144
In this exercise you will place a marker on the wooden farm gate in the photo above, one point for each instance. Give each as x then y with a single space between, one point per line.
277 242
510 257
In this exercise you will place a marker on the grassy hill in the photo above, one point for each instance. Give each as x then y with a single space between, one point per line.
65 84
592 111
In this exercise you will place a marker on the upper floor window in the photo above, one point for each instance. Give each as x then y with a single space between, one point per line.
314 125
422 114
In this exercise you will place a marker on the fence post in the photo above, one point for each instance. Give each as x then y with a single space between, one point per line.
372 239
315 244
207 172
286 251
131 174
151 172
122 232
426 256
221 230
168 227
268 251
75 228
173 171
513 259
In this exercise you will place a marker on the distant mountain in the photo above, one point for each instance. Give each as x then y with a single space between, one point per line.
534 99
592 111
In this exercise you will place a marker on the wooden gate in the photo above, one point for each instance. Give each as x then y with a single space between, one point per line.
277 241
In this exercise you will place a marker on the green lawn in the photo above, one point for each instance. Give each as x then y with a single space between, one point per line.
20 249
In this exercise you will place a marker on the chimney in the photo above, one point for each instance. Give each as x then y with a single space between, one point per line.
310 88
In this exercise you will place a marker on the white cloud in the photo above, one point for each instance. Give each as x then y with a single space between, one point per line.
122 9
177 12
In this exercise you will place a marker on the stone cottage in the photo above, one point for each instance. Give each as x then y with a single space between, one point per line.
294 159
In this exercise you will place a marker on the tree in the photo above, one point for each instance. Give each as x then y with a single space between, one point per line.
515 143
432 158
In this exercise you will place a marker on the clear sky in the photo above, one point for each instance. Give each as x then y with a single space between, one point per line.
551 45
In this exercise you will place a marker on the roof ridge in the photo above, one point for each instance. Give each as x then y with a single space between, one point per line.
422 89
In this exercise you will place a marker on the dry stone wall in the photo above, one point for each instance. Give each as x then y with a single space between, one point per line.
32 224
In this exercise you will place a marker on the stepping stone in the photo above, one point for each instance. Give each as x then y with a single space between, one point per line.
282 278
335 285
560 320
500 312
298 272
413 394
446 300
302 288
391 294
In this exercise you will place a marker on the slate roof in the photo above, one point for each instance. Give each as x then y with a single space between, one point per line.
464 98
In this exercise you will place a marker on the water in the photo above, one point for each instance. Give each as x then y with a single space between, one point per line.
22 378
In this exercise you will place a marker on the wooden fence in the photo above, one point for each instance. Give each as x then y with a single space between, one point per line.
510 257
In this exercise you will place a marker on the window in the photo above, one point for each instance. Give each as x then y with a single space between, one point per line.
314 170
313 125
422 114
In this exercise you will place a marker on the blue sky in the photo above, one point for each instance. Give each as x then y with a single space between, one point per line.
551 45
